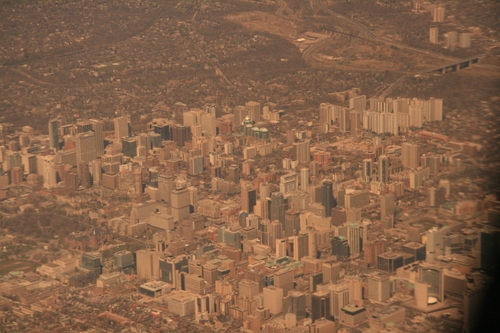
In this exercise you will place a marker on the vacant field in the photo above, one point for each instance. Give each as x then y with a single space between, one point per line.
260 21
7 266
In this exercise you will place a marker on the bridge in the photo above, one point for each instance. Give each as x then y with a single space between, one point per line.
454 66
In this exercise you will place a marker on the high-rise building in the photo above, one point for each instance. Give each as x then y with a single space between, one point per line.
171 269
129 147
438 14
464 41
92 262
340 296
124 259
234 174
300 246
277 207
434 35
208 124
367 170
253 110
121 125
180 134
358 103
383 169
331 272
450 40
387 205
340 247
248 288
180 203
273 299
304 179
54 134
322 326
98 128
292 223
85 147
389 262
284 279
355 238
489 249
302 151
410 155
320 305
379 288
327 199
84 174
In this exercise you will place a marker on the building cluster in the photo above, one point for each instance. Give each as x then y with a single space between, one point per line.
332 238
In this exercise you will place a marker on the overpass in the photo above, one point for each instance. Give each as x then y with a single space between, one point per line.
454 66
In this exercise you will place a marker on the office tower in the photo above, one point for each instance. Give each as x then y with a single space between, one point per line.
303 151
410 155
92 262
417 250
297 304
129 147
300 246
434 35
273 299
340 247
47 169
277 207
284 279
248 288
387 205
320 305
438 14
281 248
275 229
121 127
434 244
85 147
340 296
389 262
327 199
367 170
358 103
54 134
84 174
264 231
289 183
123 259
331 272
253 110
98 128
292 223
344 120
195 165
165 186
437 196
379 288
314 168
208 125
450 40
489 249
171 269
180 203
464 41
193 284
180 134
354 238
234 174
304 179
148 264
383 169
190 118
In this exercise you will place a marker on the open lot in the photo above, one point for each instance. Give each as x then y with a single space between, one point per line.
7 266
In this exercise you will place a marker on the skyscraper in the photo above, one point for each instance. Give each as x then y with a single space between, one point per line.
277 207
98 128
354 238
434 35
410 155
54 134
320 302
327 199
253 111
302 151
273 299
383 169
234 173
121 127
367 170
304 179
85 147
